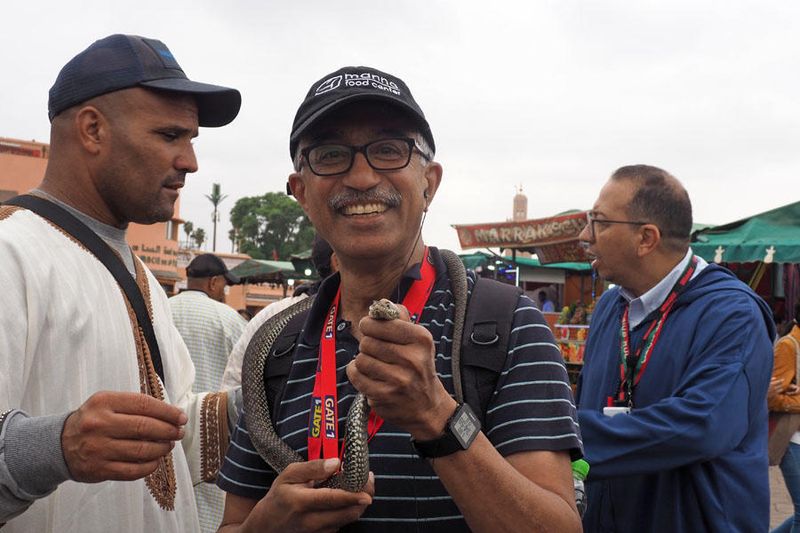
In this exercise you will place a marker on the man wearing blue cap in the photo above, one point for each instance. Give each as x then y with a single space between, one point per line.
365 176
96 381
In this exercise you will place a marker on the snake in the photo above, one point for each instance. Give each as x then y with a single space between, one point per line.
354 471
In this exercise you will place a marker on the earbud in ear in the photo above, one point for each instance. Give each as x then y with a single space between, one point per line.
425 194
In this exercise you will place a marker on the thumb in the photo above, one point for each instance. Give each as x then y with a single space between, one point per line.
405 316
310 471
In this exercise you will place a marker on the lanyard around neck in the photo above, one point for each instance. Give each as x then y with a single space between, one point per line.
631 369
323 427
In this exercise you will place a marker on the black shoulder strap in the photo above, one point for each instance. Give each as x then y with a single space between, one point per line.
484 346
279 362
66 221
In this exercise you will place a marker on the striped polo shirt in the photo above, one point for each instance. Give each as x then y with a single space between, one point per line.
532 409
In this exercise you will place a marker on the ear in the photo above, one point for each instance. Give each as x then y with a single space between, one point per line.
217 283
298 188
649 239
92 129
208 285
433 178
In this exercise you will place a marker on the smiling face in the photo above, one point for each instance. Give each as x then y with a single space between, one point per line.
366 213
613 246
148 155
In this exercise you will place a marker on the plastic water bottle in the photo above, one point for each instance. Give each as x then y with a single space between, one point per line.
580 469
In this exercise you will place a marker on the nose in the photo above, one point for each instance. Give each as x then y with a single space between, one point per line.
187 161
361 175
586 233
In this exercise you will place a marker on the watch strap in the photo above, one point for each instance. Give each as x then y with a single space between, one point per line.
445 445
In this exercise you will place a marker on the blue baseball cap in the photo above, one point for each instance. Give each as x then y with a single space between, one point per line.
123 61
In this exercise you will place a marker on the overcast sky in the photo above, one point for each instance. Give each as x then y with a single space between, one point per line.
550 95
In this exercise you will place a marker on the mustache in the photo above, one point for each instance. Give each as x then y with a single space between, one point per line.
372 196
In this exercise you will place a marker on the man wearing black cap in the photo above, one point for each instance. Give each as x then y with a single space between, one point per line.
210 329
365 176
96 381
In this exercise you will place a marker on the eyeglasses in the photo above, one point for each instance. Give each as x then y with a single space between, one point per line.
592 221
327 159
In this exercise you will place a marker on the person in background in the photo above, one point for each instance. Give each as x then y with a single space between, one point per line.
89 415
671 398
786 400
210 329
325 263
546 305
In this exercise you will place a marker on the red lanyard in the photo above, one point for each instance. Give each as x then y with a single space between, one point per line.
323 428
632 369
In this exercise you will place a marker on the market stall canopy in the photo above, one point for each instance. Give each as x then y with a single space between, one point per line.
773 236
263 271
481 259
553 240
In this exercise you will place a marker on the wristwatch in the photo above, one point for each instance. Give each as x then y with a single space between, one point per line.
459 432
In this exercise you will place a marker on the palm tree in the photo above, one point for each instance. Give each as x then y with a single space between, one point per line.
187 229
215 198
232 237
199 236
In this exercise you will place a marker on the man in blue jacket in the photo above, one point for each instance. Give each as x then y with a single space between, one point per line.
671 400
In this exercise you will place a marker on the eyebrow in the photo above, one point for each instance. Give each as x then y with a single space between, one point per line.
179 130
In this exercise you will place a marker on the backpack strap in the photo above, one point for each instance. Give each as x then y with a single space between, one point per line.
484 347
481 330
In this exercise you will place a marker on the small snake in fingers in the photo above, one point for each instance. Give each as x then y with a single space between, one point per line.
355 465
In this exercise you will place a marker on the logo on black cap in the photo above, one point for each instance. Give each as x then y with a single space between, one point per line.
363 79
328 85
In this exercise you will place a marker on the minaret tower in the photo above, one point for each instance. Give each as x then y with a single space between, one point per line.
520 206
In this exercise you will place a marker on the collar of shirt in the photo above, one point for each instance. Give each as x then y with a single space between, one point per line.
327 291
641 307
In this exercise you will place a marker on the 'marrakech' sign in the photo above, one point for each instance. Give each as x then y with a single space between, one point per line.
554 239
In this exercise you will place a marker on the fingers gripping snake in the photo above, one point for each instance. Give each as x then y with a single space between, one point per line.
355 468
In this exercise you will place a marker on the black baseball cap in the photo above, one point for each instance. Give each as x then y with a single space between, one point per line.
208 265
123 61
352 84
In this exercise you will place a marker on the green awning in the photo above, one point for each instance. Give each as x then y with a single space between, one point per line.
534 262
773 236
261 271
472 261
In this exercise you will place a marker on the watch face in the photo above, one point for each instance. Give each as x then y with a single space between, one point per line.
465 426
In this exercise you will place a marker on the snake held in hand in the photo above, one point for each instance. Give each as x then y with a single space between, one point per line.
355 466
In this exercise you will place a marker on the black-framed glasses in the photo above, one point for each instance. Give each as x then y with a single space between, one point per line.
329 159
590 217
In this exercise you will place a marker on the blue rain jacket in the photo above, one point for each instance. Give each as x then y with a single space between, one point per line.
692 454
